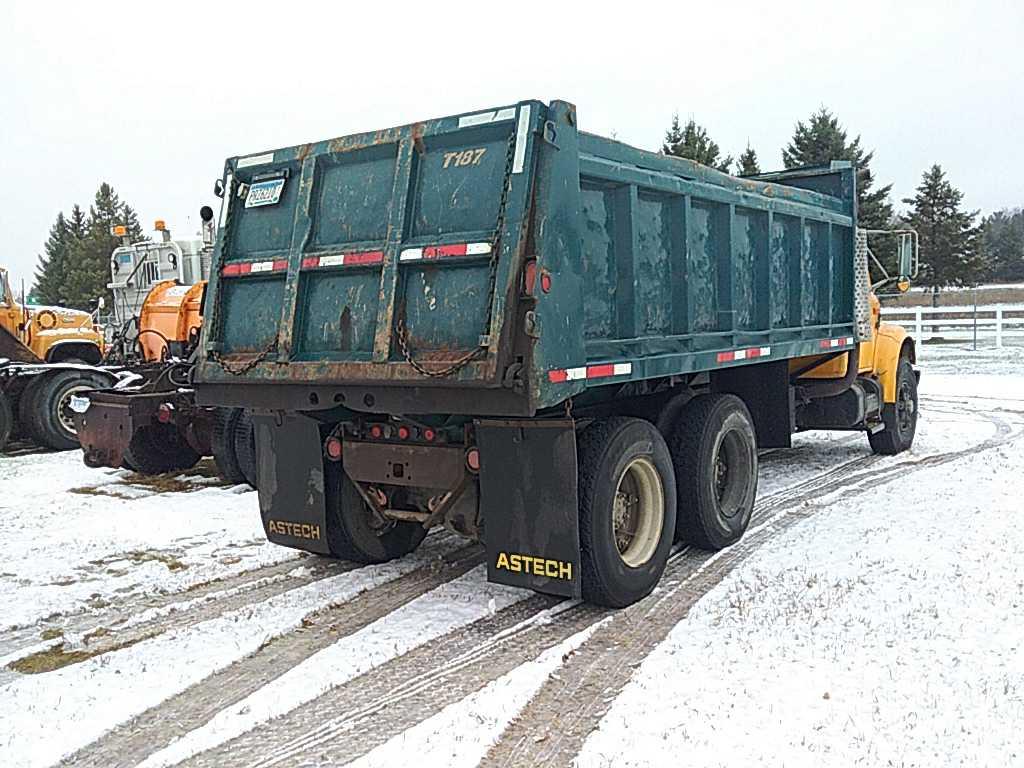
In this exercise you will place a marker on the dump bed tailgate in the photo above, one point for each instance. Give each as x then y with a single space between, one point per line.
339 261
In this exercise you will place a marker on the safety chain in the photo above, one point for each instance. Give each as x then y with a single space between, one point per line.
218 322
402 331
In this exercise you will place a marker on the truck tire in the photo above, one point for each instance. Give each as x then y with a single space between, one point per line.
51 419
27 411
627 509
351 530
159 448
900 418
245 447
714 450
6 420
222 442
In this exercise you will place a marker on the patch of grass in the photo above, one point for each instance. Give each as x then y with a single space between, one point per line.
171 482
102 490
139 556
48 660
58 656
168 482
51 634
172 563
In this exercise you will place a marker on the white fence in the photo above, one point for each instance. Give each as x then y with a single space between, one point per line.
1003 324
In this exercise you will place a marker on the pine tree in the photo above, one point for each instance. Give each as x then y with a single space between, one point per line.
748 165
1004 246
950 239
89 265
50 272
692 142
822 139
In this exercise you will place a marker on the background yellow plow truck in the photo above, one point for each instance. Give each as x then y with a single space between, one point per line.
47 356
557 344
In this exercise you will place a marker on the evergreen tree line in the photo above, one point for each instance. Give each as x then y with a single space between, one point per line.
957 248
74 269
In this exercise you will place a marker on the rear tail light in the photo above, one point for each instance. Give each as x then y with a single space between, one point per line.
429 435
403 432
473 460
376 431
530 276
333 448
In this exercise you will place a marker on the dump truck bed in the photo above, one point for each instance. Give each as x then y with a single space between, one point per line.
501 261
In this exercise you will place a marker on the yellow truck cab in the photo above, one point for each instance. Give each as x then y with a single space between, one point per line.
52 334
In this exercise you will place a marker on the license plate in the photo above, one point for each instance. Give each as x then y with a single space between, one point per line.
264 193
79 404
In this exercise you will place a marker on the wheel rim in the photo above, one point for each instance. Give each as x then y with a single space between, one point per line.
638 512
731 473
64 413
905 407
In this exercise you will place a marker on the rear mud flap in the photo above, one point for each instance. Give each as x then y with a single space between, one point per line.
528 504
291 474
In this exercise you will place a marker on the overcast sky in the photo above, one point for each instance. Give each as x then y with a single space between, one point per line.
153 96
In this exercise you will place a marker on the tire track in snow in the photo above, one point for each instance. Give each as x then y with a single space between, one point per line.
158 614
148 616
551 733
364 713
489 709
450 606
131 741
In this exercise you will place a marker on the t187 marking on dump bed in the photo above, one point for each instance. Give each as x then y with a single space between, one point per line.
466 157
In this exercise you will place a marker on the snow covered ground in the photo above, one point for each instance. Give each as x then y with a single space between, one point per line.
873 615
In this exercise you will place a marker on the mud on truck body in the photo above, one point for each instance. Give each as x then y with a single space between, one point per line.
562 346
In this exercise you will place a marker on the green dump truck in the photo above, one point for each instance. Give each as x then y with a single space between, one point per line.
560 345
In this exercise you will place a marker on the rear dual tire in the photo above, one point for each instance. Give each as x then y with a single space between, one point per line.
714 450
244 443
225 422
354 533
627 509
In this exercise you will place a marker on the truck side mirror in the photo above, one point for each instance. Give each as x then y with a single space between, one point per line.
906 256
218 188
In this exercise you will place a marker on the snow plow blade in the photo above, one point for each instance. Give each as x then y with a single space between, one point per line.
12 349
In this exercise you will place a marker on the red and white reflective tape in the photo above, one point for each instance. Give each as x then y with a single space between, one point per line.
845 341
744 354
253 267
600 371
343 259
441 251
